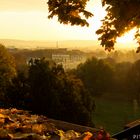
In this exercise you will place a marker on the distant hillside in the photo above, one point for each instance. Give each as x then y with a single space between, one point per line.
71 44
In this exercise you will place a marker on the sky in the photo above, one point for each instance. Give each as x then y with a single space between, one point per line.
27 20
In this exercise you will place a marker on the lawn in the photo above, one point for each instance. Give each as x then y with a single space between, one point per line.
113 114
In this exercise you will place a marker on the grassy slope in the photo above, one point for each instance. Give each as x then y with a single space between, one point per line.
113 114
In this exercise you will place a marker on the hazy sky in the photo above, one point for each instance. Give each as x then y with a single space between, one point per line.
27 19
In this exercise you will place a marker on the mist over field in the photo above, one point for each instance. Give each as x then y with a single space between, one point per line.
85 45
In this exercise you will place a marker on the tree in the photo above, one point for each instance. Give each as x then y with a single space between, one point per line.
42 82
58 95
17 92
20 61
68 11
122 16
7 68
97 75
76 101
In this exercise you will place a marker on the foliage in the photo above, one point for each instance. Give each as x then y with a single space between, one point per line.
7 68
46 88
122 16
96 75
21 125
43 85
69 11
20 60
17 92
75 99
52 88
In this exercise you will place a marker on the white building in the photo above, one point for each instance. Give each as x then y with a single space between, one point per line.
61 57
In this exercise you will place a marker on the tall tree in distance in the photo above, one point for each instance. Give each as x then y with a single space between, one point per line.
122 16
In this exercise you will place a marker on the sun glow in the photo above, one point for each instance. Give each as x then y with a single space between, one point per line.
127 37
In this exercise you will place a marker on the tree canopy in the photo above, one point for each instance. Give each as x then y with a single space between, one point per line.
122 16
69 11
7 68
46 87
97 76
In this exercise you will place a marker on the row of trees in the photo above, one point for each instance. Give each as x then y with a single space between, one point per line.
45 88
102 76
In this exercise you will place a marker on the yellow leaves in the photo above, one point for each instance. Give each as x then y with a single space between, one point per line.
26 136
75 13
88 135
72 135
14 110
2 116
19 124
3 134
2 119
69 135
38 128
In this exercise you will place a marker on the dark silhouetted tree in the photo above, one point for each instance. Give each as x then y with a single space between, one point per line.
17 92
58 95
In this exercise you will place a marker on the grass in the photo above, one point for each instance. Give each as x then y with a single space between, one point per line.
113 114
